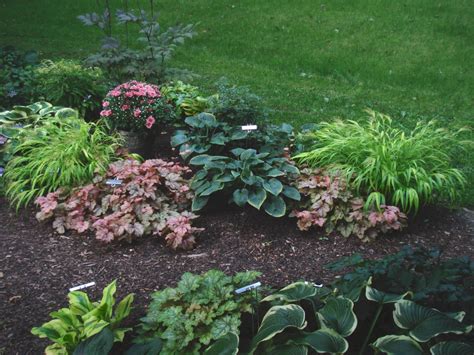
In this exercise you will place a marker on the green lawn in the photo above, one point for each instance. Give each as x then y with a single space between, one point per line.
311 60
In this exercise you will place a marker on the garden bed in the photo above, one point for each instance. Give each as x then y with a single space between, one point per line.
39 266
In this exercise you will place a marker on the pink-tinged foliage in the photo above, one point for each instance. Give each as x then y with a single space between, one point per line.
153 199
328 203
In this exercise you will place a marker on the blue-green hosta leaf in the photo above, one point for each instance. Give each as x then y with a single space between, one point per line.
199 202
286 349
338 314
425 323
227 344
397 345
275 172
99 344
290 169
239 134
237 151
151 347
451 348
204 159
275 206
213 187
178 138
375 295
247 154
274 186
291 192
219 139
240 197
294 292
276 320
323 341
257 197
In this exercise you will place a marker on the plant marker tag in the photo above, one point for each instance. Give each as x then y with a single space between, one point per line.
249 127
248 288
114 182
314 284
1 171
80 287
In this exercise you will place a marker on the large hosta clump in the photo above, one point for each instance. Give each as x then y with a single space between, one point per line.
133 199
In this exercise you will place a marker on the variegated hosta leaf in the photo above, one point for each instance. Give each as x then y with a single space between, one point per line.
425 323
276 320
338 314
451 348
227 344
293 349
296 292
323 341
397 345
375 295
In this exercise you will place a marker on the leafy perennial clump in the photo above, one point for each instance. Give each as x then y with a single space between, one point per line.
328 203
136 106
148 198
200 310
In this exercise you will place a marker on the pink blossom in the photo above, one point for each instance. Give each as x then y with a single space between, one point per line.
105 104
114 93
125 107
137 112
106 113
149 122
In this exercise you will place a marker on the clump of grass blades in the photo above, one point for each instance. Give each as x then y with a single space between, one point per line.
389 165
60 154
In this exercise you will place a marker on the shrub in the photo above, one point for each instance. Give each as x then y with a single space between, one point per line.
135 106
328 203
186 98
248 177
150 198
146 62
84 320
387 164
61 153
197 312
16 76
237 105
68 83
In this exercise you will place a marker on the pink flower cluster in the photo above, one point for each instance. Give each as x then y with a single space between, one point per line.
132 105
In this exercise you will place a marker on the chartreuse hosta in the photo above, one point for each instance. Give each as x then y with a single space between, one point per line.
86 326
285 328
248 177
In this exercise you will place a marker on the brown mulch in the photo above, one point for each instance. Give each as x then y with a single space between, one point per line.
37 267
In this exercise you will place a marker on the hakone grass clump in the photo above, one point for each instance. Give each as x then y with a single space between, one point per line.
389 165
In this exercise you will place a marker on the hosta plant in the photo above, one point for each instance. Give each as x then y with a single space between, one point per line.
185 97
248 177
197 312
61 153
84 320
328 203
131 200
389 165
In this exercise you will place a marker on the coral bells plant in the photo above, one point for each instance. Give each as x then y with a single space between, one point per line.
136 106
328 203
148 198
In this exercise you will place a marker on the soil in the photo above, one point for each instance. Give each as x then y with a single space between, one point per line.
38 267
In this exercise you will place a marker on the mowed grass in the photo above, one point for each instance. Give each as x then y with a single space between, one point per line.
311 60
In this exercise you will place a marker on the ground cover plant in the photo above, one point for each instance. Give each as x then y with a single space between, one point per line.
130 200
407 170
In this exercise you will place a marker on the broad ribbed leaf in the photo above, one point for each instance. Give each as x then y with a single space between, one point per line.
123 308
152 347
291 192
397 345
227 344
218 139
201 160
276 320
213 187
179 138
451 348
275 172
79 303
240 197
375 295
257 197
292 293
286 349
99 344
199 202
275 206
273 186
425 323
323 341
338 314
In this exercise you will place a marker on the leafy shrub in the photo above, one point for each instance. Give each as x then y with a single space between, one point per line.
68 83
237 105
205 134
303 317
249 177
423 272
150 61
135 106
387 164
61 153
197 312
85 319
186 98
150 198
16 76
328 203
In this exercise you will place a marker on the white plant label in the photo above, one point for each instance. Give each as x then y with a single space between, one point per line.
249 127
248 288
114 182
80 287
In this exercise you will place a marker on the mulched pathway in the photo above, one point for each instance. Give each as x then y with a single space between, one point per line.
37 267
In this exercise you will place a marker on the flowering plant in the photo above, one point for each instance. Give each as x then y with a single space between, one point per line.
149 198
136 106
